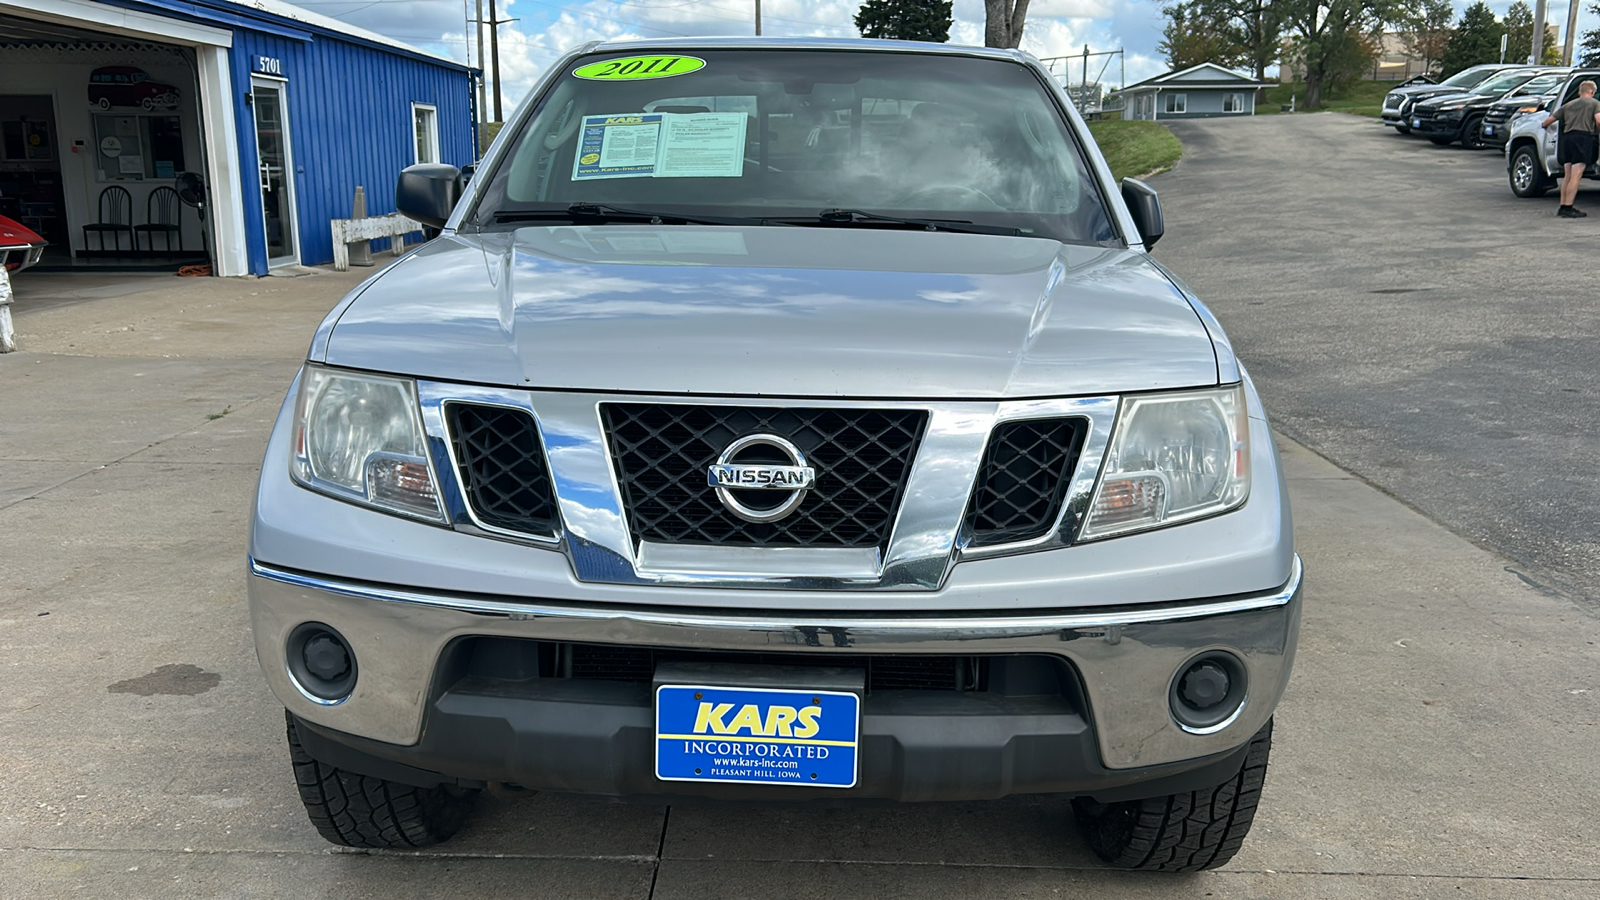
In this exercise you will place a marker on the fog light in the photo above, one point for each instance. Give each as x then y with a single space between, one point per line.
327 657
1204 685
1207 692
321 663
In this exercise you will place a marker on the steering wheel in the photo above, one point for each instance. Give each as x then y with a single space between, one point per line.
937 195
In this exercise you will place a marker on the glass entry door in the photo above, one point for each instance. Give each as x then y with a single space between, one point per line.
275 170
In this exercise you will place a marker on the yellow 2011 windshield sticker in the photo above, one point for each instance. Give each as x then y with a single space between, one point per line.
634 68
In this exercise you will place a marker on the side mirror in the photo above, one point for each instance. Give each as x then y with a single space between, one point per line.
428 192
1145 209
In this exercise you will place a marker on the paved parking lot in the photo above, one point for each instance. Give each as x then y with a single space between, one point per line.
1438 738
1411 319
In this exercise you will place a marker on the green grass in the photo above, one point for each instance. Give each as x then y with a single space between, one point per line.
1363 98
486 133
1136 148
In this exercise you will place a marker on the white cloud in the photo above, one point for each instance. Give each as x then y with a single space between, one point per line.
548 28
1068 9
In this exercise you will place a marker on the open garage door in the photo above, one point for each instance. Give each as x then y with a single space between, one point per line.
109 119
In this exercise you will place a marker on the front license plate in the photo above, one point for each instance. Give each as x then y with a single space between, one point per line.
757 735
1416 123
1488 129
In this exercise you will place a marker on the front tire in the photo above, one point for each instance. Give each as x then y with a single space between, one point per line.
1472 134
1527 176
1402 129
1180 832
361 811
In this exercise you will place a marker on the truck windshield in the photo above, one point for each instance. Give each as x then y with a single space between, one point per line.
842 138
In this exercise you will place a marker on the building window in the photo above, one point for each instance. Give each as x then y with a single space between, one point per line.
425 126
1232 103
1177 103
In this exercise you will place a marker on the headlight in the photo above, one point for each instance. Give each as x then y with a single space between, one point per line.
358 437
1173 458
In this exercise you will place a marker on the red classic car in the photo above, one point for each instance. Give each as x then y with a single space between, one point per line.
127 86
19 247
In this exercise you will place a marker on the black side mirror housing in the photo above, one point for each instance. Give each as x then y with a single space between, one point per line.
427 192
1145 209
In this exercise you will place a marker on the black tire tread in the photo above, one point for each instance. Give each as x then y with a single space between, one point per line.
355 810
1185 832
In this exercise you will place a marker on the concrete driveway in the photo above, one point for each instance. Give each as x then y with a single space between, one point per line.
1438 739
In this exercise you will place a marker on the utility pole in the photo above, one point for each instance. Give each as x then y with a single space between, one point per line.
758 18
1572 30
479 22
1539 13
494 50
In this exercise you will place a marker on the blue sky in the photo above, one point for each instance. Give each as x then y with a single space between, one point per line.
546 28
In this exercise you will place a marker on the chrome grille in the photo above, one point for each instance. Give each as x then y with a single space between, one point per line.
503 472
1498 115
862 457
1023 479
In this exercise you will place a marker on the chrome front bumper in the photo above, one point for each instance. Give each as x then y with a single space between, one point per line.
1126 657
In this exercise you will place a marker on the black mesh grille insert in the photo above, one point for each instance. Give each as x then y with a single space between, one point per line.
502 467
861 456
884 673
1023 479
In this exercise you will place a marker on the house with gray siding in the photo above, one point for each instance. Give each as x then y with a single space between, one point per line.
1204 91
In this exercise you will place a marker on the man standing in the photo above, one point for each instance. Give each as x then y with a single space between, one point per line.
1578 144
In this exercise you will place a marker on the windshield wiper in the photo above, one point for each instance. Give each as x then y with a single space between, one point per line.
600 212
849 217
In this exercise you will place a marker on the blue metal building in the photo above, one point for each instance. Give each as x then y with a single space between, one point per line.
281 112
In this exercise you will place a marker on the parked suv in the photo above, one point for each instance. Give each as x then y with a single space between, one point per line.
1535 96
1397 103
1531 148
1448 118
779 421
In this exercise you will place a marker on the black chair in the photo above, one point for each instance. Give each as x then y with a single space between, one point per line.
116 217
162 211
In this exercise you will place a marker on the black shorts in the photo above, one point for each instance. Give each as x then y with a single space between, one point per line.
1577 147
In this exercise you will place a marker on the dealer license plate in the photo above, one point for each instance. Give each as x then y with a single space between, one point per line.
1416 123
757 735
1488 129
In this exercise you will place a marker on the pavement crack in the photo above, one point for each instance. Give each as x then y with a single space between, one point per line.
661 849
129 457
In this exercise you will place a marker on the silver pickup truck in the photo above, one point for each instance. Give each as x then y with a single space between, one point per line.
1531 148
789 420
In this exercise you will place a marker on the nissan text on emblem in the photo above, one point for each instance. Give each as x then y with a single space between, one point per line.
728 475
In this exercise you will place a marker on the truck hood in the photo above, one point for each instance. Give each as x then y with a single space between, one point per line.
777 311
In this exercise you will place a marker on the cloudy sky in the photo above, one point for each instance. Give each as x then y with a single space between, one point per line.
546 28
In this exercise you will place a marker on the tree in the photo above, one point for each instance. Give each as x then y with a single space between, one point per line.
1588 52
905 20
1003 21
1475 41
1334 40
1427 29
1519 36
1193 37
1254 27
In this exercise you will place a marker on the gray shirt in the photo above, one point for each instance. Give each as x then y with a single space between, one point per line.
1578 115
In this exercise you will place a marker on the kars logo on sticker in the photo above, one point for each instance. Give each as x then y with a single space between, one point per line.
589 159
633 68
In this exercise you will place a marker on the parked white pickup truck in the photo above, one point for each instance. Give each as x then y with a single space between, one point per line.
1531 150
